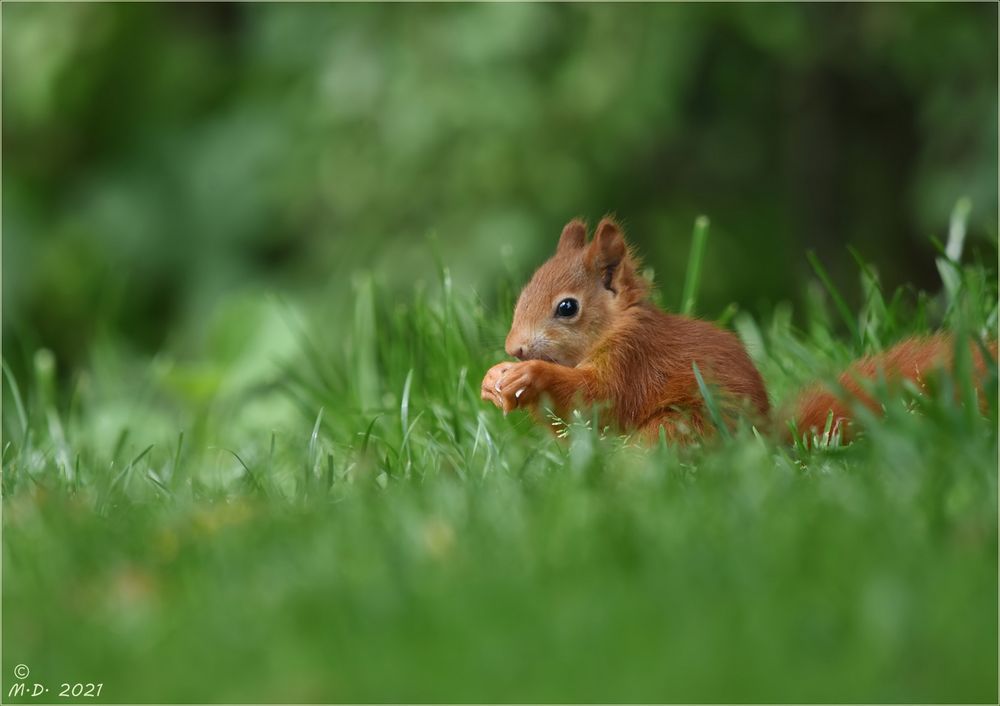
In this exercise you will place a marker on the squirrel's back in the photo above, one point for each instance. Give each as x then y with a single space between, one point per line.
648 361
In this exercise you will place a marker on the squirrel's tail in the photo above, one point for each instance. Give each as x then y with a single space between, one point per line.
913 359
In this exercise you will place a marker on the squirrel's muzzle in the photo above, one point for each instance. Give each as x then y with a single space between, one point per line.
517 352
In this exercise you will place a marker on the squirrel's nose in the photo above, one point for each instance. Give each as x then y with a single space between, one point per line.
517 352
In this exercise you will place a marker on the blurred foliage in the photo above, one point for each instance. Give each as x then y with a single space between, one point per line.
159 156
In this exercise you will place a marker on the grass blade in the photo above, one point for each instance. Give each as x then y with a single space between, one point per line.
710 403
16 394
841 305
698 239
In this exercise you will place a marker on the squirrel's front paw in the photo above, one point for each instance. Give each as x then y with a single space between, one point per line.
519 385
490 390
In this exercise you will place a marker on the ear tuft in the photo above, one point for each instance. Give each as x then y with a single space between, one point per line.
610 258
608 247
574 236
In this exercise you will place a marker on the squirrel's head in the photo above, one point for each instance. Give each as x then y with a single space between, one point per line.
574 299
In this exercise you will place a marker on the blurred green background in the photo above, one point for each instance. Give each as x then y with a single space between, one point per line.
256 258
160 159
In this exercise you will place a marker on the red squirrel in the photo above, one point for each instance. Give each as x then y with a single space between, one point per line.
586 333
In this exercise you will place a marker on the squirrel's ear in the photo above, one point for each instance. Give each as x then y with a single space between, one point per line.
574 236
607 251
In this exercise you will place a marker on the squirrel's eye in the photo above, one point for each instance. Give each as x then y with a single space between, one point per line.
567 308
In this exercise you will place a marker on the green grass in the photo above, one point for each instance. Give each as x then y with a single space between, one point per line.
343 519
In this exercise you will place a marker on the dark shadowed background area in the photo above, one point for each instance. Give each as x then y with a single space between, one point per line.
160 158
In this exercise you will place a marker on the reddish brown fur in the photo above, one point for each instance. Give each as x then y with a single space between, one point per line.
914 359
622 352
